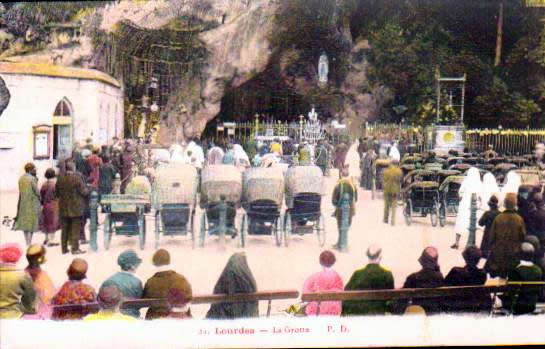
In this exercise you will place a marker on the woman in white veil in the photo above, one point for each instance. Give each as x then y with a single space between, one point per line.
512 184
471 185
490 187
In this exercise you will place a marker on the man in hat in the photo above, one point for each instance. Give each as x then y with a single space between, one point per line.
372 277
74 291
524 302
17 293
72 193
344 186
506 235
129 285
392 187
469 275
109 299
428 277
161 282
126 164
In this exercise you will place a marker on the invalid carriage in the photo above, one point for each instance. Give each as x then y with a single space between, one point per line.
262 195
125 213
174 199
304 191
220 185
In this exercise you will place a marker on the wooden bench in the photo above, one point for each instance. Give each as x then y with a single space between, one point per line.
268 296
418 293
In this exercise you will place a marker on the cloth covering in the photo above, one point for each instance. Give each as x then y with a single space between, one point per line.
215 156
241 158
512 185
235 278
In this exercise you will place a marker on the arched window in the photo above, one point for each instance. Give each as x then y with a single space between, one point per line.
63 109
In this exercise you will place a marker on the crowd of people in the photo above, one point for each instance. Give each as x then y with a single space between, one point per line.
30 293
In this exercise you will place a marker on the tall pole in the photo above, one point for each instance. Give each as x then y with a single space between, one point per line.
438 91
463 99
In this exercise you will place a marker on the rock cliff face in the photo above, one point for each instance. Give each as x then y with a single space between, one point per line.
238 49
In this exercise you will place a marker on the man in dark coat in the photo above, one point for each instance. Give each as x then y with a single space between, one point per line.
428 277
470 275
506 235
72 193
525 301
372 277
106 176
165 280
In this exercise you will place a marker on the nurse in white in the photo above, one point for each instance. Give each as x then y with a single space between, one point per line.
471 185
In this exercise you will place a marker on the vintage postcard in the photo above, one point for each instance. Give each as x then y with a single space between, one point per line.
272 173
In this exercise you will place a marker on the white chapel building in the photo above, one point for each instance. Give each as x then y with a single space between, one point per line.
50 108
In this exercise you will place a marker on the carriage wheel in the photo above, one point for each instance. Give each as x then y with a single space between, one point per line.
277 232
243 231
407 212
287 229
157 229
192 229
107 231
142 230
320 230
203 228
442 214
434 215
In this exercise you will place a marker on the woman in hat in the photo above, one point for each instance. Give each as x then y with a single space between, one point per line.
325 280
28 207
49 222
17 293
486 220
43 285
109 299
129 285
74 291
235 278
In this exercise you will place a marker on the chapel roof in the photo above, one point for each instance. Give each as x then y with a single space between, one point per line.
44 69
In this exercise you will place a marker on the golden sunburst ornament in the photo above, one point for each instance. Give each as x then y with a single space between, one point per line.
448 137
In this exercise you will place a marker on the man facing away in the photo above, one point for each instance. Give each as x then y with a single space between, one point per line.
372 277
72 193
344 186
392 187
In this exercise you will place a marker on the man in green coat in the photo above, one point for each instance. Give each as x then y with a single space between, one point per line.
372 277
392 187
28 208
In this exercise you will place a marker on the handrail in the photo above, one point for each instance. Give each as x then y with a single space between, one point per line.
197 299
410 293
